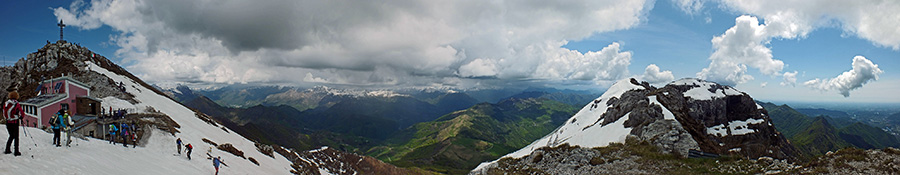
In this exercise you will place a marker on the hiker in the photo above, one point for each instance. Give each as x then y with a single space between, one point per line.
13 113
112 133
58 123
134 140
216 162
124 135
178 142
69 126
189 148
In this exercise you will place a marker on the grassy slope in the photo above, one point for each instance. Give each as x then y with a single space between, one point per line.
457 142
869 137
818 138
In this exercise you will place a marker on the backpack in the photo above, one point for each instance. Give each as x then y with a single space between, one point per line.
189 146
54 120
15 110
13 113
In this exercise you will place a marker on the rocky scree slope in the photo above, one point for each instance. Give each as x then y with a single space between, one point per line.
687 114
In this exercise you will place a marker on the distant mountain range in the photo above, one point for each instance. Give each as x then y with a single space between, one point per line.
358 118
451 131
818 135
428 129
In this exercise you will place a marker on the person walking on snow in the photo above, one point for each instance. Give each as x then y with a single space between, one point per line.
13 113
124 135
58 123
112 133
68 127
216 162
189 148
178 144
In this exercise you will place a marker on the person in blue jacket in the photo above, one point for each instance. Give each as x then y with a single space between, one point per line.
124 135
112 133
216 162
57 125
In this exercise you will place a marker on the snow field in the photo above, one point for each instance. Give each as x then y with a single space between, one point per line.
156 157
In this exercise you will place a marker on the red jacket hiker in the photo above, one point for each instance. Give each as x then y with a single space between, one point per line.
13 112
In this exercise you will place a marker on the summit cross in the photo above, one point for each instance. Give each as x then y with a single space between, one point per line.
61 25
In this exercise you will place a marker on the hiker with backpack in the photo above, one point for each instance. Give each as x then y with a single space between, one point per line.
189 148
178 143
124 135
68 127
13 113
57 123
112 133
216 162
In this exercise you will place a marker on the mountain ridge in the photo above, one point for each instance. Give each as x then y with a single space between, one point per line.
687 114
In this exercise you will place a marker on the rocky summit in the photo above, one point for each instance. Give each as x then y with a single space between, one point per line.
688 117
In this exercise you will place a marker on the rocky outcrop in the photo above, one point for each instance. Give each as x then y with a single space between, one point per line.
728 122
332 161
63 59
688 114
66 59
634 157
855 161
669 136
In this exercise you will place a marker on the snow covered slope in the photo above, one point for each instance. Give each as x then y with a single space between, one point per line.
93 156
688 114
583 128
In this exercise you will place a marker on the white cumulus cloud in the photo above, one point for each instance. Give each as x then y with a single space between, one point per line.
740 46
653 75
790 79
411 42
873 20
863 71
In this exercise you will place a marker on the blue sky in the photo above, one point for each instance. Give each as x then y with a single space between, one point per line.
481 44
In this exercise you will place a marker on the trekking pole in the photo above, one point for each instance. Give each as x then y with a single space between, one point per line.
23 129
26 134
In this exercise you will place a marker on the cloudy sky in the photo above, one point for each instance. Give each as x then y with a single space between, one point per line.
795 50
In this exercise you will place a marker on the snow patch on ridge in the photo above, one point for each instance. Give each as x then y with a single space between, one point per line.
736 127
718 130
666 113
701 91
740 127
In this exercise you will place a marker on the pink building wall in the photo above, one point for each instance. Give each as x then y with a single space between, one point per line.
71 89
48 112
